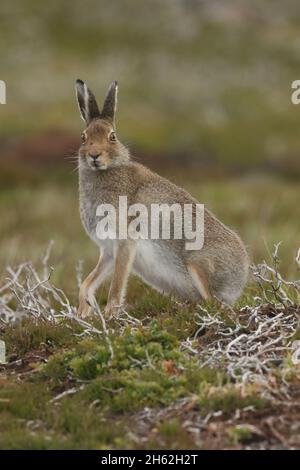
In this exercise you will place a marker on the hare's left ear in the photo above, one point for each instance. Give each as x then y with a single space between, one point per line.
110 102
87 102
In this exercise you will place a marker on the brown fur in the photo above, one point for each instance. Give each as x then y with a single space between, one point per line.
219 269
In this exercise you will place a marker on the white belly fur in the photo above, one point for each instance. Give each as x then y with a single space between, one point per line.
160 269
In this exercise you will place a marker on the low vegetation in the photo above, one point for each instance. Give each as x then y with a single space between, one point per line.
166 375
205 98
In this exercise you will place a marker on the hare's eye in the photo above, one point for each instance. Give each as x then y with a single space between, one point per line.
112 136
83 137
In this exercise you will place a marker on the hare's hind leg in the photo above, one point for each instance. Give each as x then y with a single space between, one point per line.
92 283
199 280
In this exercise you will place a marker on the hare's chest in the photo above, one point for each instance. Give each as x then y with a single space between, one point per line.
88 215
92 212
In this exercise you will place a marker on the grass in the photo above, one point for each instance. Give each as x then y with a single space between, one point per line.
64 390
228 102
148 370
263 210
194 86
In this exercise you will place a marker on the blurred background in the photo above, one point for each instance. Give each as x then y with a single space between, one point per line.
204 98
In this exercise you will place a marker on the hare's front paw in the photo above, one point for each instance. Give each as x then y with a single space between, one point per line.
84 310
111 310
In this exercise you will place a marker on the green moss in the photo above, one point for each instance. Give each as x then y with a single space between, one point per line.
30 334
171 434
240 434
132 390
133 349
227 399
57 366
25 401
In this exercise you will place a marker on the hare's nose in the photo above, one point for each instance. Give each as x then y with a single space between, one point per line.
94 156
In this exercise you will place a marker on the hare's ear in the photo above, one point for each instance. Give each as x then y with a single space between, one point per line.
110 102
87 103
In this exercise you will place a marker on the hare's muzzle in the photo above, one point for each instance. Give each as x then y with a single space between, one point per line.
97 161
94 159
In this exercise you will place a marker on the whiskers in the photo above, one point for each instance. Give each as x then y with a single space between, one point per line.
73 158
127 144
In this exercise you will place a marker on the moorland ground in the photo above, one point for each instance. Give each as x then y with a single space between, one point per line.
154 392
205 98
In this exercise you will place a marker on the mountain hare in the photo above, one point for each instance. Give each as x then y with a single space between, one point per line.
106 171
